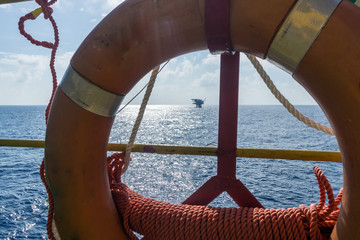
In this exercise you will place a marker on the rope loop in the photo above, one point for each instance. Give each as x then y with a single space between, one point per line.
115 164
319 219
47 11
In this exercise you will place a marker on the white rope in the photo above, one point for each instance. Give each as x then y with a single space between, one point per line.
269 83
139 118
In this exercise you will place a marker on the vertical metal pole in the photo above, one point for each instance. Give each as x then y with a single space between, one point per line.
225 180
228 114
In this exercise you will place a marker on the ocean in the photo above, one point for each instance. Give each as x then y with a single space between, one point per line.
275 183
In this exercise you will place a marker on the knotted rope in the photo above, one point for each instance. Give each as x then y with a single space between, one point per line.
160 220
47 11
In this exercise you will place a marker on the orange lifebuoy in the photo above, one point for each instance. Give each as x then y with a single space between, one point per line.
141 34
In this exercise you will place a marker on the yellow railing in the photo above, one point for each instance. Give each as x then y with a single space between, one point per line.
305 155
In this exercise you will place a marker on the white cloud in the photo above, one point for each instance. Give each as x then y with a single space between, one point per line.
169 71
187 67
253 90
111 4
64 5
208 80
22 67
8 6
197 75
25 10
211 59
26 79
177 68
106 6
62 62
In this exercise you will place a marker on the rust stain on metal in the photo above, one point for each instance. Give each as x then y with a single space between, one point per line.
149 149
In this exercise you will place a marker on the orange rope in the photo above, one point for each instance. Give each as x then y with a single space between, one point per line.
160 220
47 11
51 203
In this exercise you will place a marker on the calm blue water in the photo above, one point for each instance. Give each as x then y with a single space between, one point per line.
276 183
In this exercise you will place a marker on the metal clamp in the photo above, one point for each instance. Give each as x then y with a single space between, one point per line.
88 95
299 31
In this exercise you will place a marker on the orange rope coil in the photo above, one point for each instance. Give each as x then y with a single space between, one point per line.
160 220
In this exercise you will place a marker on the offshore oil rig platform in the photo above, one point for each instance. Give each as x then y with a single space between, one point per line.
198 102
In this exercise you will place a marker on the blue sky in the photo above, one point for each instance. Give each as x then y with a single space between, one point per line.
25 76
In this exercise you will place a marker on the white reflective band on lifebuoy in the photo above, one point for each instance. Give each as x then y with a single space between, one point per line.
298 32
88 95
